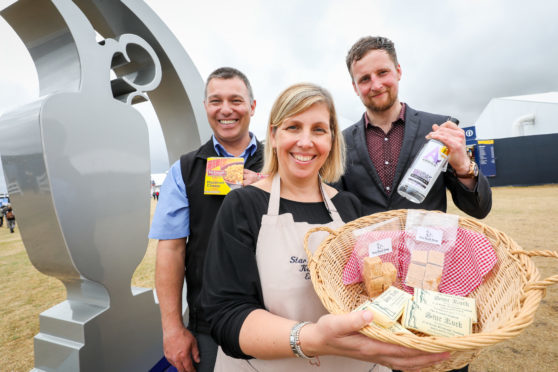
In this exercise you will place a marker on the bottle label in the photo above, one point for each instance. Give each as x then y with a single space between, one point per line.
433 157
420 177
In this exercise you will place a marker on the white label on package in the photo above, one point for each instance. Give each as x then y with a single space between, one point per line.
379 247
429 235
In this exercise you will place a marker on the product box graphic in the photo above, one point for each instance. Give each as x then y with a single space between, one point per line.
223 175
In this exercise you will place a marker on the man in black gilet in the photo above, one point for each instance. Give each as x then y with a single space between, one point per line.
184 217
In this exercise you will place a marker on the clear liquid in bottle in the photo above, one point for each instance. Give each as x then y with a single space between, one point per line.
423 173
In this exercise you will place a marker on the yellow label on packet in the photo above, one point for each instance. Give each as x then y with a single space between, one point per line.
379 319
387 307
395 328
450 304
223 175
428 320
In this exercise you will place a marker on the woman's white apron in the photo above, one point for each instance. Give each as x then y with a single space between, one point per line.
287 288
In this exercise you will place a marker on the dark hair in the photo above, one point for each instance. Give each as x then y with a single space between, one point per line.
229 73
366 44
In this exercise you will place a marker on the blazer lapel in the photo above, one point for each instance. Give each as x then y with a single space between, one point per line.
412 122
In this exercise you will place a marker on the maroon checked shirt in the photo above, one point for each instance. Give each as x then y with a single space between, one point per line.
384 149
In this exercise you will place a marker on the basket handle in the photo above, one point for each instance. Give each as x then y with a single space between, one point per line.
541 284
310 232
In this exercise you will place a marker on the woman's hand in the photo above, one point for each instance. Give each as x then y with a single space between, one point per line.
250 177
338 335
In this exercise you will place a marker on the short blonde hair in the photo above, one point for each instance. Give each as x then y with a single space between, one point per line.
293 101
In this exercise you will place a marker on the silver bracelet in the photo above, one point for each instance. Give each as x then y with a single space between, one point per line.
295 340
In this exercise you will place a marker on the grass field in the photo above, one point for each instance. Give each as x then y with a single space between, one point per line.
528 215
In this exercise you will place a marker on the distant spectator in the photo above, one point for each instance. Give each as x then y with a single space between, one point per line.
10 217
157 195
3 210
154 195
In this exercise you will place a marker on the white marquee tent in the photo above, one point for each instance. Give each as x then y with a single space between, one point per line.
519 116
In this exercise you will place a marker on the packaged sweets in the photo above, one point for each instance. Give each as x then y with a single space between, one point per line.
387 307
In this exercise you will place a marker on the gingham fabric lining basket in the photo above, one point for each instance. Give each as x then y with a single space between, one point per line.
506 300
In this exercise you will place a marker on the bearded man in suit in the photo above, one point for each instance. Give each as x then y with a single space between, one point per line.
383 143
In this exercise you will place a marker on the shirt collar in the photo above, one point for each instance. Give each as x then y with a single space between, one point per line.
248 151
400 118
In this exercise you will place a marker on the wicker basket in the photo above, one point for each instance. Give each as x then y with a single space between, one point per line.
506 300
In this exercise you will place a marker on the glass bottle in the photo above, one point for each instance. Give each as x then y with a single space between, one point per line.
431 160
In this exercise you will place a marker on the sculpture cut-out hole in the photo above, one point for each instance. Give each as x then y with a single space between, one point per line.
134 70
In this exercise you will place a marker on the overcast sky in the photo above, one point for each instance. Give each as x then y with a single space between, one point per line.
455 55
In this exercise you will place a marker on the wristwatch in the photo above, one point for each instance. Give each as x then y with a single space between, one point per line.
472 173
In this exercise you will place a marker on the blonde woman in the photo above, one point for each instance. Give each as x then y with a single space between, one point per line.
257 291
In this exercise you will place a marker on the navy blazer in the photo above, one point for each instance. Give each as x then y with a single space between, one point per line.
362 179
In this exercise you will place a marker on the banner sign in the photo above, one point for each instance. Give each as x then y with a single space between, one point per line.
470 135
486 158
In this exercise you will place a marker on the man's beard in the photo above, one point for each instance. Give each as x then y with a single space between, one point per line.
382 106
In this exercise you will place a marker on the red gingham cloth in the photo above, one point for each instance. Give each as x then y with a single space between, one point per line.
465 264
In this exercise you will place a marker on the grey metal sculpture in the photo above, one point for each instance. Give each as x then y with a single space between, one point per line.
60 152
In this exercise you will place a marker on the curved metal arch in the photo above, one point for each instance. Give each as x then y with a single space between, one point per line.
60 151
